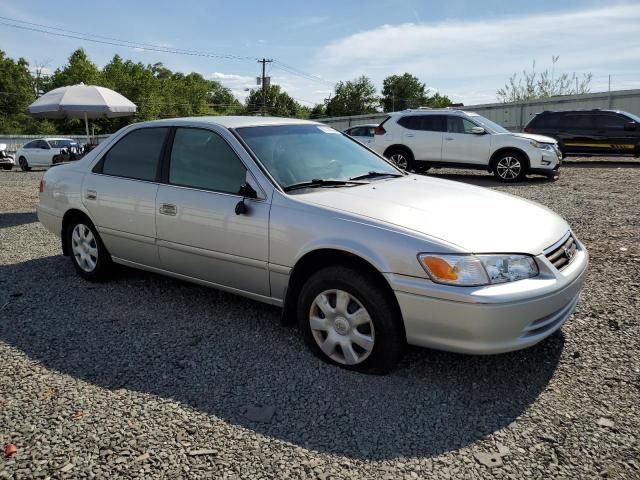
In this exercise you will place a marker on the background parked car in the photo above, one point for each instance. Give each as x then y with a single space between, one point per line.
595 132
362 133
422 138
43 152
6 160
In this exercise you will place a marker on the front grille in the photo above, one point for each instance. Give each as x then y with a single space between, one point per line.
561 255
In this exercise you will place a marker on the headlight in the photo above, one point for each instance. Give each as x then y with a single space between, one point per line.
542 146
476 270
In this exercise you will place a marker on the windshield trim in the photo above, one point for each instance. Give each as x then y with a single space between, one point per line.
267 174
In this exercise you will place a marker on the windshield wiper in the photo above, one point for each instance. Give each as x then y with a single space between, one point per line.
319 182
376 174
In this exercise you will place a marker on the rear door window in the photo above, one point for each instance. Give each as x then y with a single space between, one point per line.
579 121
137 155
426 123
31 144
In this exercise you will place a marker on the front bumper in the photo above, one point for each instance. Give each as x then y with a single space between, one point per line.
492 319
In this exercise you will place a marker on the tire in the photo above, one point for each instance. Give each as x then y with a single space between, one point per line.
331 301
24 165
401 158
88 254
510 167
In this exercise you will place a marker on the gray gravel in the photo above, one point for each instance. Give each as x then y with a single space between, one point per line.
147 376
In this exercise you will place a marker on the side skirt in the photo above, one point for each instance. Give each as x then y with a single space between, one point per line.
253 296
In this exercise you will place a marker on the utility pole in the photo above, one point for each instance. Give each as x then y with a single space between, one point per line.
264 62
609 82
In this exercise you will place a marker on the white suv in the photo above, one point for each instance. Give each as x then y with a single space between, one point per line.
423 138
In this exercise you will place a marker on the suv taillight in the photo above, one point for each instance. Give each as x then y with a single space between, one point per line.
379 130
41 189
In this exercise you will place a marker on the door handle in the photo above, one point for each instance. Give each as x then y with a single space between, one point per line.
91 195
448 138
408 135
168 209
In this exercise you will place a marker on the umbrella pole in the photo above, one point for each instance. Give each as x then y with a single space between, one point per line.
86 127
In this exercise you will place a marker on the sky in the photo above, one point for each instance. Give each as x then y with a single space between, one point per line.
463 49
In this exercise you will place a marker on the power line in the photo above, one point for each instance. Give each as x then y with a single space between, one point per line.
294 71
121 43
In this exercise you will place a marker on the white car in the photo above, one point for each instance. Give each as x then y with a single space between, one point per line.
42 152
363 133
423 138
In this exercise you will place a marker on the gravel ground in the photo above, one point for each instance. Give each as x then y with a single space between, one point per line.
147 376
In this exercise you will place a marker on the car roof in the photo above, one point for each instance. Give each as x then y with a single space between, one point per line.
363 125
431 111
583 110
232 121
55 138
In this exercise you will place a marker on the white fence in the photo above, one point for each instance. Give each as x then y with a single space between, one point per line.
514 116
14 142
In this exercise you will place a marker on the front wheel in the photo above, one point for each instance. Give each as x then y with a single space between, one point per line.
402 158
89 255
510 167
24 165
348 319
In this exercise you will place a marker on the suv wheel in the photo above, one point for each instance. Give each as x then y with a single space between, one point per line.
510 167
23 164
402 158
348 320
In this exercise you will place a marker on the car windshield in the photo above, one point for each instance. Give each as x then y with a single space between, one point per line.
633 117
61 143
295 154
488 124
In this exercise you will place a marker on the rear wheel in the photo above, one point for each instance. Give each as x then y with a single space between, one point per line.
24 165
89 255
348 320
510 167
401 157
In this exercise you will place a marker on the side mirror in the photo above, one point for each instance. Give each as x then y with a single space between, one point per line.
247 191
478 131
630 126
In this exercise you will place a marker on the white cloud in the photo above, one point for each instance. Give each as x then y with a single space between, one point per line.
237 83
471 59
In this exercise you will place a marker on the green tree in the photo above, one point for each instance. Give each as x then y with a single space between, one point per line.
278 103
318 111
79 69
400 92
353 97
532 84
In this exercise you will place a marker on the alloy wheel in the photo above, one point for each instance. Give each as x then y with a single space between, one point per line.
342 327
508 168
84 247
400 160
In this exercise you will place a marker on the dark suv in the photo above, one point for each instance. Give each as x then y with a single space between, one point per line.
592 132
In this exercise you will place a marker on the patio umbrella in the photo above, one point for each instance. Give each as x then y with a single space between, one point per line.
82 101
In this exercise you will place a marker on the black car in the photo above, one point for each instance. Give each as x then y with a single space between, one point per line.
591 132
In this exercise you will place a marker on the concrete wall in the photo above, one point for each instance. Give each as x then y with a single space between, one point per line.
514 116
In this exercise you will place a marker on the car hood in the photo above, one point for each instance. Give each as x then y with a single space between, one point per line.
537 138
472 218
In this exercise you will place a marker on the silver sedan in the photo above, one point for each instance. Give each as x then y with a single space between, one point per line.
363 256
